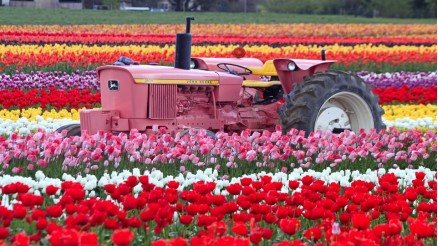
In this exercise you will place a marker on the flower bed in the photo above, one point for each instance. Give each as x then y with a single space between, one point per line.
260 30
399 79
163 39
83 56
229 153
60 99
50 98
384 47
88 80
38 93
58 80
268 209
28 120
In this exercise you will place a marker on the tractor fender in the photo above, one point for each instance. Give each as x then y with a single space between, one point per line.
303 68
302 64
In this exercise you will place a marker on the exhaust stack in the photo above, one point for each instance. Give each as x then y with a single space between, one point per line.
183 47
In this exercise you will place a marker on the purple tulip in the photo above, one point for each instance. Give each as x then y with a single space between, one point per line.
88 80
42 80
399 79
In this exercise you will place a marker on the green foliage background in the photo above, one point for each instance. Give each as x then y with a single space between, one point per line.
368 8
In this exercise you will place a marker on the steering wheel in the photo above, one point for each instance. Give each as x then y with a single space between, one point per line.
226 67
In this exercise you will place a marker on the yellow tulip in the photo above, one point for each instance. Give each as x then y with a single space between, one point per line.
33 113
393 112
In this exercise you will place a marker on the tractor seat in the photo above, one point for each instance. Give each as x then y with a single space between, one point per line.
260 84
268 69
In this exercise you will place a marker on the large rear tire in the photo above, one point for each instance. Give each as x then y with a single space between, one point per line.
331 101
72 129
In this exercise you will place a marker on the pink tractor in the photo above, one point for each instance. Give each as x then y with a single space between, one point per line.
229 94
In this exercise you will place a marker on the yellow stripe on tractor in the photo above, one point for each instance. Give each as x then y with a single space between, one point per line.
268 69
261 84
176 81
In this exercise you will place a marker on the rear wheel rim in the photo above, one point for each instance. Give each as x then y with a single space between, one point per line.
342 111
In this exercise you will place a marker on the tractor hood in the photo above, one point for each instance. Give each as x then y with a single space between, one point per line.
151 74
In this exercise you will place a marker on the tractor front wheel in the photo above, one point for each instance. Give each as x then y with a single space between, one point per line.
331 101
72 129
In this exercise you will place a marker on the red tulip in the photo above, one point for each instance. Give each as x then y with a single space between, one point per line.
234 189
420 175
173 184
20 239
289 226
88 238
246 181
19 211
130 202
313 233
54 211
256 237
41 224
293 184
217 228
360 221
131 181
111 224
51 190
77 194
52 226
122 237
186 219
239 228
4 233
421 229
307 180
205 220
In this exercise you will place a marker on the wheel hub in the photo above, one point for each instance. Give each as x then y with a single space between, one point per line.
332 118
344 110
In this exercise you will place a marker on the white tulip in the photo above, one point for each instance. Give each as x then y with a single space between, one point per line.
39 175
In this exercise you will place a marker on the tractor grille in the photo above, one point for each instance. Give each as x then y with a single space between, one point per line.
162 101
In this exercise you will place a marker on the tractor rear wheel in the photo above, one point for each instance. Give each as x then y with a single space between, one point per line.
72 129
331 101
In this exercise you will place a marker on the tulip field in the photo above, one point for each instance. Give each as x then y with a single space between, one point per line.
246 188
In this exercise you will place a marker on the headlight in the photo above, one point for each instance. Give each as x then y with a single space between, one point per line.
192 64
291 66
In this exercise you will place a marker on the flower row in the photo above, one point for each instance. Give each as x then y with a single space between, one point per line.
399 79
265 209
28 121
24 126
83 56
409 123
92 183
60 99
392 112
38 114
51 98
259 30
57 79
39 150
111 38
88 80
404 94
